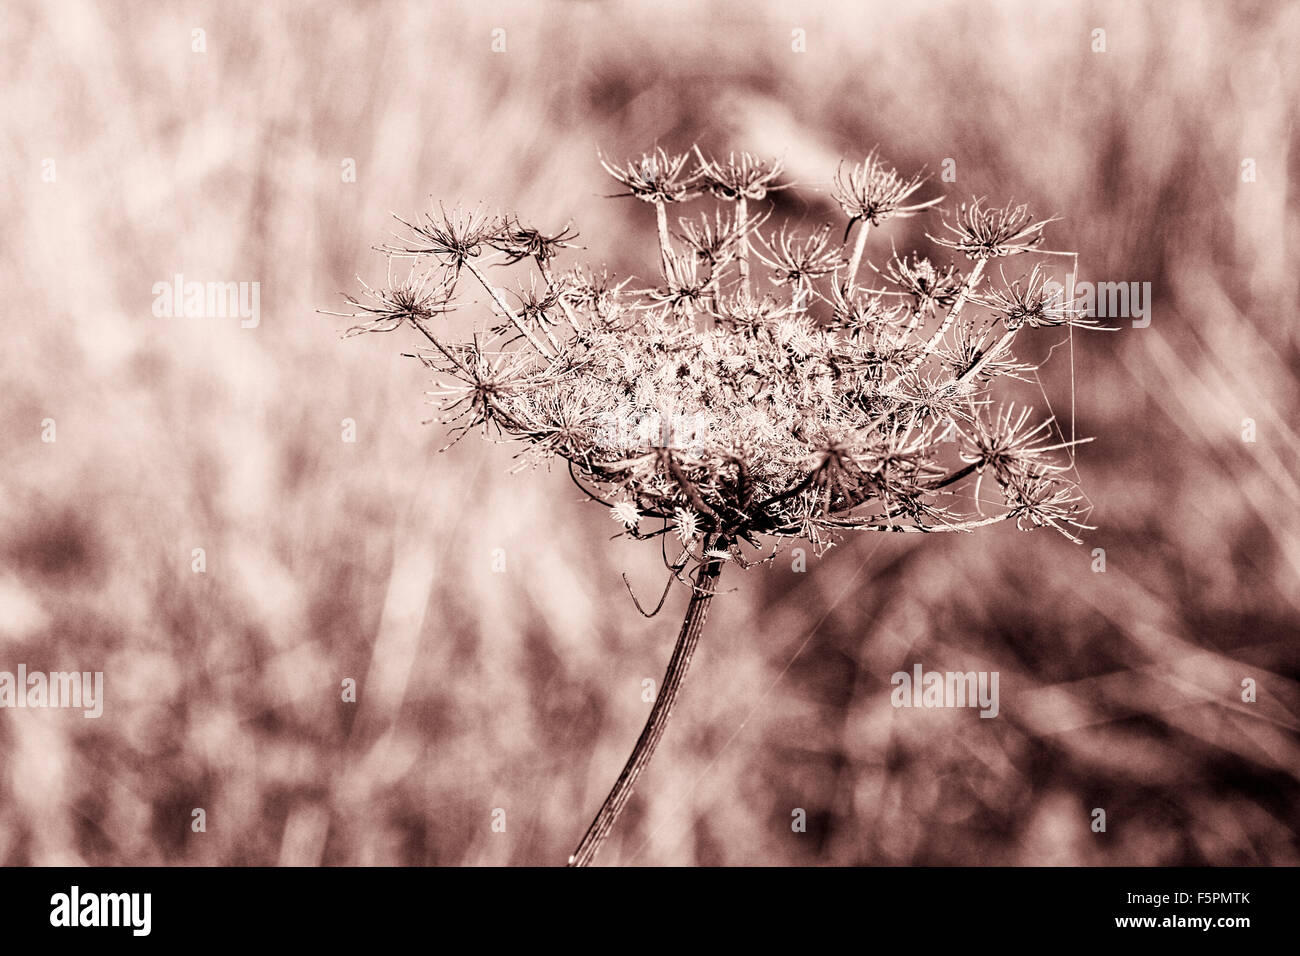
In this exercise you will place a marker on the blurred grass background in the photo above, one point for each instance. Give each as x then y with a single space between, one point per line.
522 690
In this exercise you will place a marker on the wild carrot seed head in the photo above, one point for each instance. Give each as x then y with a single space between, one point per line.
721 404
873 192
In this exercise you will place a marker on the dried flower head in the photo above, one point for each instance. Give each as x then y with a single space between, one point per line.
1038 499
981 233
1035 303
980 349
419 297
655 177
872 192
684 281
799 423
799 259
716 241
718 408
521 242
452 237
930 285
859 313
739 176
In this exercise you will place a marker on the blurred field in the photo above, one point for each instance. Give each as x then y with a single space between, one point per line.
522 690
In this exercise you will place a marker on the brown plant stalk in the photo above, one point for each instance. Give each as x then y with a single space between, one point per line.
697 611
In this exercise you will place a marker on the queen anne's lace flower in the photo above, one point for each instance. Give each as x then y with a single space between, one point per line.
722 396
729 404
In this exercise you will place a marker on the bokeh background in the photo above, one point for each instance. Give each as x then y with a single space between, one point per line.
522 691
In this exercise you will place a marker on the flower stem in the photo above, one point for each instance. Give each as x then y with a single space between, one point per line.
665 244
692 627
858 247
972 280
505 308
984 357
742 221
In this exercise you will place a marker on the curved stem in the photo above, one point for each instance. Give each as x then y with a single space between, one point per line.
692 627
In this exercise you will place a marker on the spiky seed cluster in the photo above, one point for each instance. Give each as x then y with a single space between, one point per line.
656 177
519 242
871 191
1035 303
929 284
451 237
985 233
422 294
716 242
800 260
717 407
739 176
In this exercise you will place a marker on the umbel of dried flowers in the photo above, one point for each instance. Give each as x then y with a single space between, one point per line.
761 388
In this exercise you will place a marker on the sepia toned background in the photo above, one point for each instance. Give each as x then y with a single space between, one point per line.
372 560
